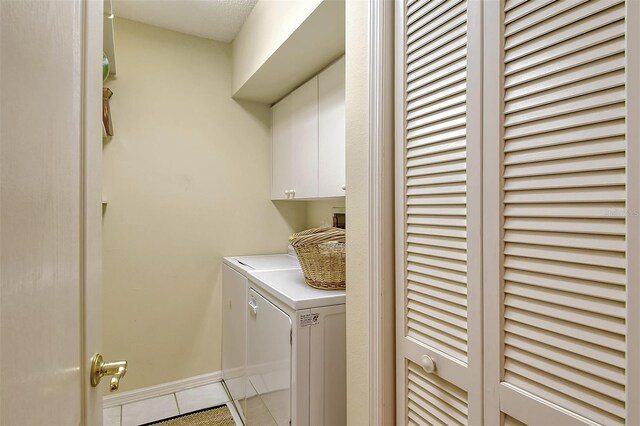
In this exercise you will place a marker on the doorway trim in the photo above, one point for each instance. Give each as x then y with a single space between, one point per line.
91 205
381 214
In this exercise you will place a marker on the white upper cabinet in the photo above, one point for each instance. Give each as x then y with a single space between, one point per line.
308 139
331 148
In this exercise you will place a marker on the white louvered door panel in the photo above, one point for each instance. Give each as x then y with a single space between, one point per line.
438 105
558 254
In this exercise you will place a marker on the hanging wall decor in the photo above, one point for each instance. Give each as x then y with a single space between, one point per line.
106 111
106 68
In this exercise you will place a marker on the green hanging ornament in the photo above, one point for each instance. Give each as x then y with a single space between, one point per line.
105 67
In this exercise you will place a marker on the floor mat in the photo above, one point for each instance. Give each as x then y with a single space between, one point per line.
214 416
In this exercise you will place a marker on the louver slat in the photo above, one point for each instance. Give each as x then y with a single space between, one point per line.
579 60
533 57
567 358
534 40
557 152
569 135
429 12
436 182
564 393
572 76
433 400
524 9
593 87
564 188
552 17
589 342
435 28
582 226
559 239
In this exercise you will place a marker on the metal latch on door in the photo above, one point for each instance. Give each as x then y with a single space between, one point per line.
253 306
99 369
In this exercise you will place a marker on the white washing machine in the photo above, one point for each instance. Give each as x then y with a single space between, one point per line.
235 288
296 352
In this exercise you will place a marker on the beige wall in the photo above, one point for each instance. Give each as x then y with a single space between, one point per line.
270 23
320 212
357 110
187 178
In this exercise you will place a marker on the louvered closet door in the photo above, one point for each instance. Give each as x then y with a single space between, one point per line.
560 220
438 103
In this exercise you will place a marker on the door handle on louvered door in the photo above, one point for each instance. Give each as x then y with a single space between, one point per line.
428 364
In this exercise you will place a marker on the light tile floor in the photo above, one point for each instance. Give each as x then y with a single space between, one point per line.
169 405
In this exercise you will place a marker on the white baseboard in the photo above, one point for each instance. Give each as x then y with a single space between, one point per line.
127 397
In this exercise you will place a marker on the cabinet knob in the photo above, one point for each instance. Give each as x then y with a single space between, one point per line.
293 193
428 364
344 187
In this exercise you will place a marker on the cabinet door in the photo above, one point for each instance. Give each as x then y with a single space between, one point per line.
561 152
268 363
438 153
331 131
281 149
304 140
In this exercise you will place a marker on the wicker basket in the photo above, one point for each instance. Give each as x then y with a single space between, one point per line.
321 252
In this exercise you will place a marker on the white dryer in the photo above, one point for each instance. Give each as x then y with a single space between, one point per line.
235 288
296 352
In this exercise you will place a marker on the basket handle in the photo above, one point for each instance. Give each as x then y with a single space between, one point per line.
332 235
315 231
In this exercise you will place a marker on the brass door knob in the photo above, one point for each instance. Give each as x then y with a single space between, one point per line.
99 369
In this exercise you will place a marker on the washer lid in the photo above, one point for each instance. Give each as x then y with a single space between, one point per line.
268 262
289 287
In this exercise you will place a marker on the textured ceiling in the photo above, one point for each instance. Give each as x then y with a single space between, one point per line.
214 19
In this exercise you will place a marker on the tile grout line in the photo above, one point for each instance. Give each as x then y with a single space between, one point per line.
177 404
154 410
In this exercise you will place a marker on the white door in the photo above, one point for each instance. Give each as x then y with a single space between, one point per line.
50 211
561 215
331 131
439 346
